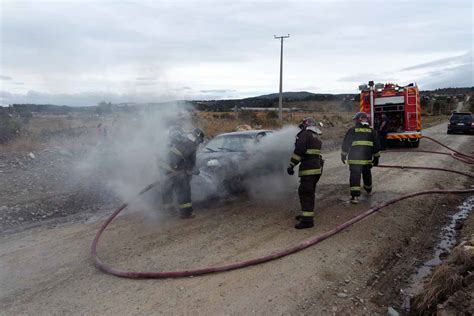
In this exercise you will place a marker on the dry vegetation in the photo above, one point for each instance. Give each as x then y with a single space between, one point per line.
46 130
450 284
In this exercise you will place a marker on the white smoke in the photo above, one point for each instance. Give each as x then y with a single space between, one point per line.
260 171
272 153
127 160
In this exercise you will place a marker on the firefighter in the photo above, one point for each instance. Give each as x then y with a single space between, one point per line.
180 168
307 153
361 150
383 131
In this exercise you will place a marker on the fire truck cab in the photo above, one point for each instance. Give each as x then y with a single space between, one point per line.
401 105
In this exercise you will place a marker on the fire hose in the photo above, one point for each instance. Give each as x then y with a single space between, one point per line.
284 252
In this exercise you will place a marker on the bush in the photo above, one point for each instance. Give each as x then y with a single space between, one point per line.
227 116
9 128
272 115
25 116
248 116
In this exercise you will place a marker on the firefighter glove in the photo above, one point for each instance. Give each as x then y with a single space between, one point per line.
290 170
375 161
343 158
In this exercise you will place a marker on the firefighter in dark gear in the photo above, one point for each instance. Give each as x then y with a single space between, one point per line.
307 153
382 131
179 170
361 149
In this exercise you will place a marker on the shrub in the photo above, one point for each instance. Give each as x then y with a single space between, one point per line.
9 128
25 116
227 116
248 116
272 115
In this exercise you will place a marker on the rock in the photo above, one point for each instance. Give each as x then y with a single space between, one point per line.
392 312
468 280
458 225
32 156
342 295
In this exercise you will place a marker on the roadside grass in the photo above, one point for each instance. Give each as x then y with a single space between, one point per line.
431 120
48 131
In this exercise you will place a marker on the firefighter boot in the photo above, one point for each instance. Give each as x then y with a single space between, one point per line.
186 214
355 200
305 222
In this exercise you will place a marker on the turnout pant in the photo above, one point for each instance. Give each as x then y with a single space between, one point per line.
383 139
356 171
306 192
180 186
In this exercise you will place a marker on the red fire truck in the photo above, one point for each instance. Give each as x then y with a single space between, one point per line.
400 104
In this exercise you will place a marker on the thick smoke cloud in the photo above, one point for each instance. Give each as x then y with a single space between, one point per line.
127 160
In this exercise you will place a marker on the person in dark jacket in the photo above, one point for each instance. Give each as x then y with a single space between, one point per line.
307 154
179 170
383 131
361 150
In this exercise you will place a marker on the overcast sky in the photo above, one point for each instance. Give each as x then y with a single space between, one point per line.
82 52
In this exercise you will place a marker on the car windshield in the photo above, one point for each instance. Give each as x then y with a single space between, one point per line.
465 118
229 143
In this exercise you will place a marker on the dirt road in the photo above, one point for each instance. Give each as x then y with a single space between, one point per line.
48 270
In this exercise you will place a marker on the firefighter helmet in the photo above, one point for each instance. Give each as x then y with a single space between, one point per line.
360 116
307 122
197 136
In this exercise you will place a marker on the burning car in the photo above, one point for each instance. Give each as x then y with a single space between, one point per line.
230 159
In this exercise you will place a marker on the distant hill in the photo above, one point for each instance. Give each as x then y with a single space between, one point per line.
296 95
299 98
449 91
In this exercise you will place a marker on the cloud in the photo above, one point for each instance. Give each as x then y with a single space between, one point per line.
5 78
80 99
366 77
464 58
152 83
225 47
146 78
5 95
94 97
217 91
457 76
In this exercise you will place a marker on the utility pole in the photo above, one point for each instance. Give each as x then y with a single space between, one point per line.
280 99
